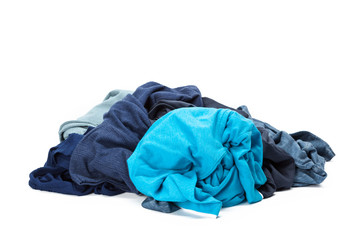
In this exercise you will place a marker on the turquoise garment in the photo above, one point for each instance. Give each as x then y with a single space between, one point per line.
200 159
94 117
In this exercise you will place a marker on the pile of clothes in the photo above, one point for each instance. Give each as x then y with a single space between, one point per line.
179 149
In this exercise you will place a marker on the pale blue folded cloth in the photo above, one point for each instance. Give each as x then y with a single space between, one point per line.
94 117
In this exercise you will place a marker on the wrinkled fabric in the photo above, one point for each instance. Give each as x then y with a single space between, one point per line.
160 206
55 177
308 151
211 103
159 110
165 106
94 117
156 112
315 153
101 155
100 161
278 166
200 159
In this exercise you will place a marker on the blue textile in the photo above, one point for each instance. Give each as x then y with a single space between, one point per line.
160 206
308 151
101 155
55 177
278 165
200 159
313 153
92 118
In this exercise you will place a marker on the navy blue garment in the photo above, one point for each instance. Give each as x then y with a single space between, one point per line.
211 103
308 151
165 106
278 166
55 177
101 155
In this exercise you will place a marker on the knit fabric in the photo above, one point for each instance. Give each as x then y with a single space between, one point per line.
308 151
101 155
55 177
200 159
92 118
181 150
278 165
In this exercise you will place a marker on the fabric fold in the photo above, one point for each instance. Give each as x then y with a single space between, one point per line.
309 152
278 165
200 159
179 149
55 177
101 155
92 118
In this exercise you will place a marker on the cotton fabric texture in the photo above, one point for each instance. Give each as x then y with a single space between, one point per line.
278 165
55 177
92 118
101 155
182 150
309 152
200 159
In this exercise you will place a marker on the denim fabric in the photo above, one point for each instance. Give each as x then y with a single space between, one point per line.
55 177
94 117
278 166
200 159
101 155
309 152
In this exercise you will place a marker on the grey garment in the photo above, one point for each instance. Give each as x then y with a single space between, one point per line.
94 117
308 150
160 206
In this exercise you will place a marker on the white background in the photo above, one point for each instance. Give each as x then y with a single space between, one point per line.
295 64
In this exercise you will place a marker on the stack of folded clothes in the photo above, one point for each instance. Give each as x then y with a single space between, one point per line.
179 149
